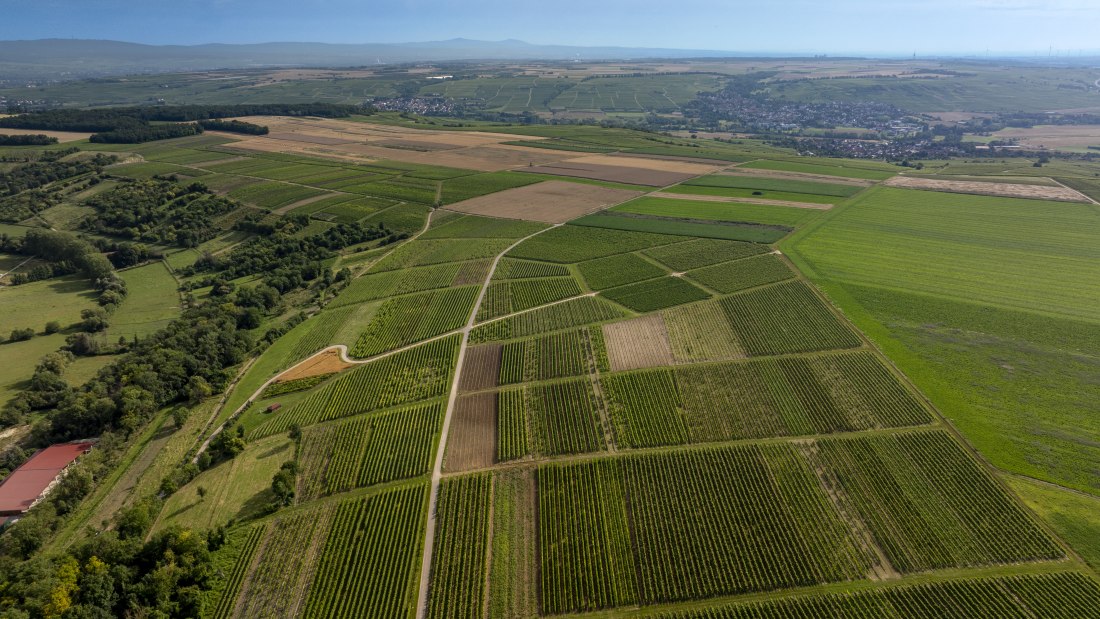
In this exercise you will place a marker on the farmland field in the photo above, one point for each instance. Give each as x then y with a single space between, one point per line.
433 379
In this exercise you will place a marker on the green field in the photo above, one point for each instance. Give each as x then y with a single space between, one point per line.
152 301
766 214
735 231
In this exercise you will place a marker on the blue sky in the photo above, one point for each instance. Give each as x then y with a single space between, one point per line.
795 26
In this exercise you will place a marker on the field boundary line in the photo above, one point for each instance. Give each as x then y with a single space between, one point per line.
1080 193
437 469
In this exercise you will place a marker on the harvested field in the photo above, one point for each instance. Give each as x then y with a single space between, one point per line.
324 362
1054 137
638 343
647 163
548 202
481 369
702 198
619 173
1001 190
797 176
473 441
62 136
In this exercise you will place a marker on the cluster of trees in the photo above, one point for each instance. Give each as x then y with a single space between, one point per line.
129 125
27 140
159 211
234 126
285 261
48 169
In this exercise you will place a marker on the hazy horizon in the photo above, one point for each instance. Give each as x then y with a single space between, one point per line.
855 27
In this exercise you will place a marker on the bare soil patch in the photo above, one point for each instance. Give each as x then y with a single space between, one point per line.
638 343
798 176
700 160
62 136
324 362
700 198
481 368
473 441
548 202
1005 190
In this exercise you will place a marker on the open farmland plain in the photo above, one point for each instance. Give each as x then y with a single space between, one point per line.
546 391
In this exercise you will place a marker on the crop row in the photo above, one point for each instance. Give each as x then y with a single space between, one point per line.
687 525
931 506
466 187
776 184
510 268
573 313
368 450
786 318
580 243
389 283
512 442
412 375
273 194
732 230
564 417
1063 595
284 568
551 356
473 227
458 560
618 270
656 294
413 318
320 331
758 399
235 578
439 251
506 297
370 560
703 252
727 277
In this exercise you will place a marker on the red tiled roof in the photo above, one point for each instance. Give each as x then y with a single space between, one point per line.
26 483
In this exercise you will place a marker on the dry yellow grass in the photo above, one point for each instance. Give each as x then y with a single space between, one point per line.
1004 190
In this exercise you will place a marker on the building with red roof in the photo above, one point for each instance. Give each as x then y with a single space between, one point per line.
30 483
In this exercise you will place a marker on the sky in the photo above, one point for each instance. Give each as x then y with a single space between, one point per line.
895 27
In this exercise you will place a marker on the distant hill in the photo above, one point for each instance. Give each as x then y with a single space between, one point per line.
79 58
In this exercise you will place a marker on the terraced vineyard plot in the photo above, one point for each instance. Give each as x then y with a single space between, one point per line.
389 283
929 505
551 356
703 252
439 251
273 194
701 332
321 332
481 367
577 312
586 560
656 294
370 560
368 450
284 567
461 540
562 416
734 276
512 440
612 271
713 522
405 320
507 297
247 542
513 569
785 318
473 440
1062 595
510 268
758 399
579 243
412 375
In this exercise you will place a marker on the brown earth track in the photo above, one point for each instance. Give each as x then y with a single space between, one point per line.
481 369
638 343
474 444
548 202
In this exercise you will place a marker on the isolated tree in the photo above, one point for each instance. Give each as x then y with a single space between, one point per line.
201 491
